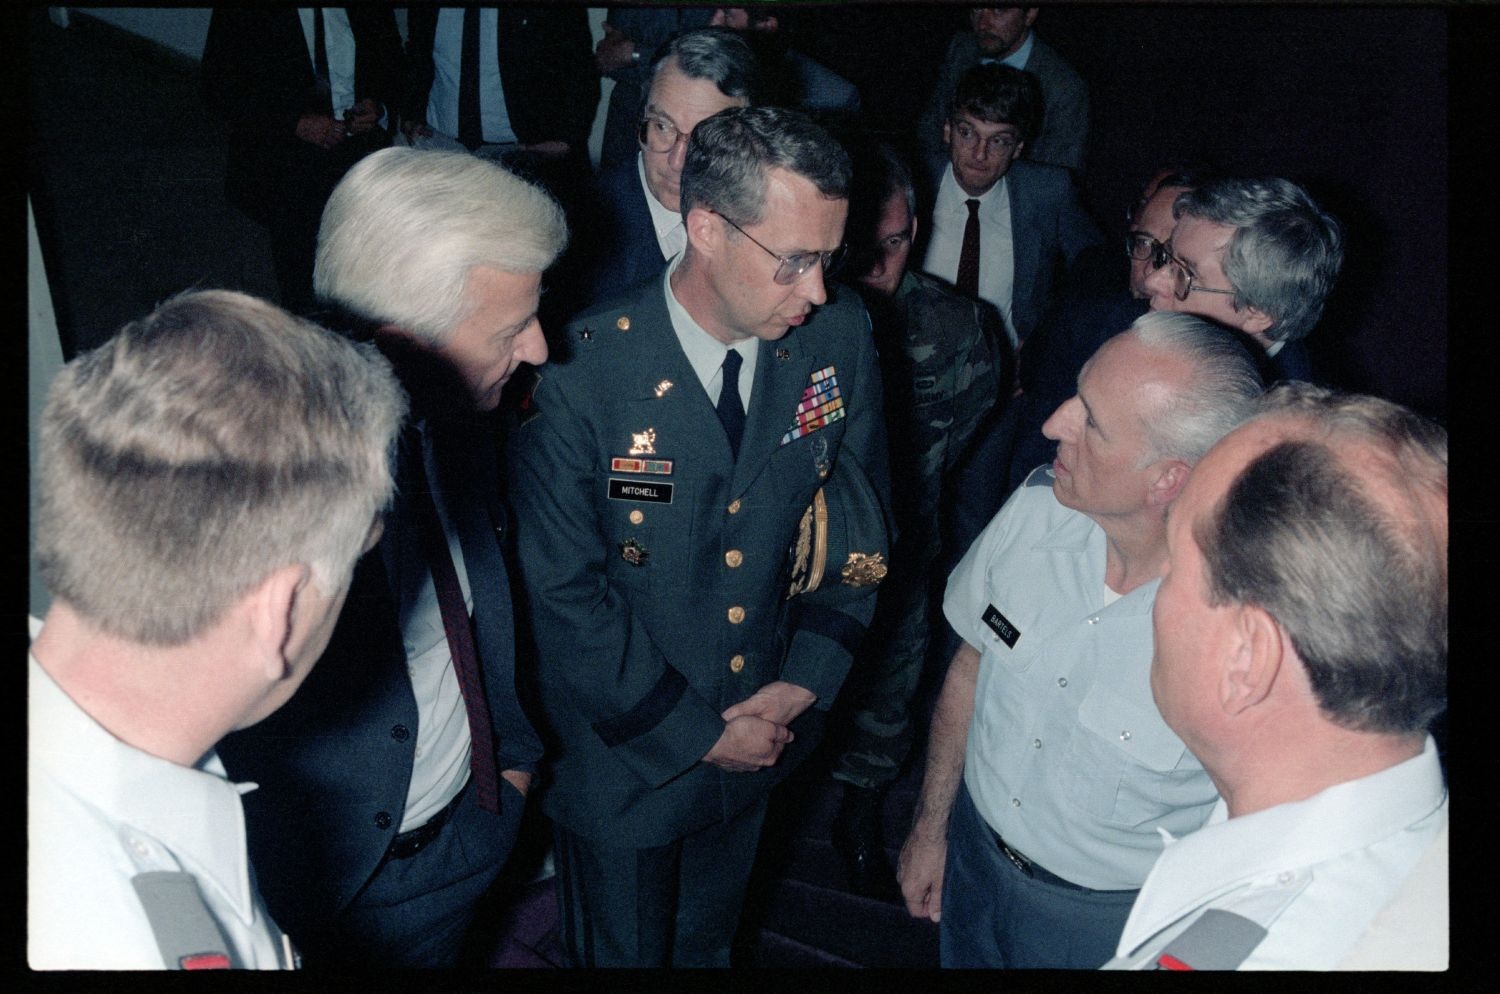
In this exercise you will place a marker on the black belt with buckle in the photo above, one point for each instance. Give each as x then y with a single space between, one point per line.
408 844
1036 871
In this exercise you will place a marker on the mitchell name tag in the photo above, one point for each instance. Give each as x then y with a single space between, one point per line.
1001 626
656 493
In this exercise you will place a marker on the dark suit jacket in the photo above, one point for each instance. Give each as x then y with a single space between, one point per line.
546 70
258 76
1065 100
617 247
638 659
1048 229
334 764
1292 363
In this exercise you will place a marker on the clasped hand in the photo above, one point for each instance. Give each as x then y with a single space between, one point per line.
755 729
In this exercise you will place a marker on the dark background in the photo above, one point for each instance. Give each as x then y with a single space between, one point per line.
125 164
1350 102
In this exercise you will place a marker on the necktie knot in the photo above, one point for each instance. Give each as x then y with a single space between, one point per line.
973 206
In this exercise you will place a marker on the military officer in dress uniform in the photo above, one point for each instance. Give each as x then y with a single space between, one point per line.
661 487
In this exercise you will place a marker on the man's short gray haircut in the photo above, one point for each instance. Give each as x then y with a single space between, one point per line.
730 153
1222 393
199 450
405 226
1285 254
719 55
1341 534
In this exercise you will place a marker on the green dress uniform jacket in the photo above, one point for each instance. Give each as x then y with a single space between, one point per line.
657 565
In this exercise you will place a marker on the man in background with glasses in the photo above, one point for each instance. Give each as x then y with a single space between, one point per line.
1093 305
1258 256
660 488
1001 228
637 226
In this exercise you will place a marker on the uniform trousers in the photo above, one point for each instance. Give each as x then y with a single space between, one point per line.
673 905
995 916
414 912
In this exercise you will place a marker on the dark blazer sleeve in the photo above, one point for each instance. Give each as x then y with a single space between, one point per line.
547 71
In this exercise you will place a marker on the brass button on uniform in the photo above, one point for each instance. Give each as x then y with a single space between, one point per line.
736 663
623 323
636 517
734 507
736 615
733 558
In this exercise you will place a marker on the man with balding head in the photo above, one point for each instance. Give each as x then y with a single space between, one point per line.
1301 653
1045 750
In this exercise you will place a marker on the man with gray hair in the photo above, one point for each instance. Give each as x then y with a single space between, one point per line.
393 790
1049 770
659 490
1302 653
637 225
207 479
1258 256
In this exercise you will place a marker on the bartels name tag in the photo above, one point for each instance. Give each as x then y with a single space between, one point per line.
1001 626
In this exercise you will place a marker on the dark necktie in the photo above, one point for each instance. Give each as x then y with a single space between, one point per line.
320 61
731 409
461 644
470 128
968 257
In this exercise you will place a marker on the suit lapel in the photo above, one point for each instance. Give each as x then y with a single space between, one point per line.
1024 242
779 384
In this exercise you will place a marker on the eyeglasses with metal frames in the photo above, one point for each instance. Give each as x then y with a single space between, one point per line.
967 137
1182 279
791 268
1142 247
658 135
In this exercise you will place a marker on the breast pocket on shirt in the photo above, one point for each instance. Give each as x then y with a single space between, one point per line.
1129 766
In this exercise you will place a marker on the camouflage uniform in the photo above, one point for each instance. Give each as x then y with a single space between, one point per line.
940 362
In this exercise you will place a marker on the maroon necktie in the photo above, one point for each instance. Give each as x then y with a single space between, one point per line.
465 657
968 257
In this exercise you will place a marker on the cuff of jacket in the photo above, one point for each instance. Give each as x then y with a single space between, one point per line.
822 650
667 731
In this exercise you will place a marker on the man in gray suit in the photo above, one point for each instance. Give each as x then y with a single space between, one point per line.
1004 35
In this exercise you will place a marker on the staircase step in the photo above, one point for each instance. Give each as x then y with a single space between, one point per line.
854 928
776 951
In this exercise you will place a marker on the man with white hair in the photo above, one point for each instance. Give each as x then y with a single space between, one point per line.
208 478
1302 654
1049 770
392 792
